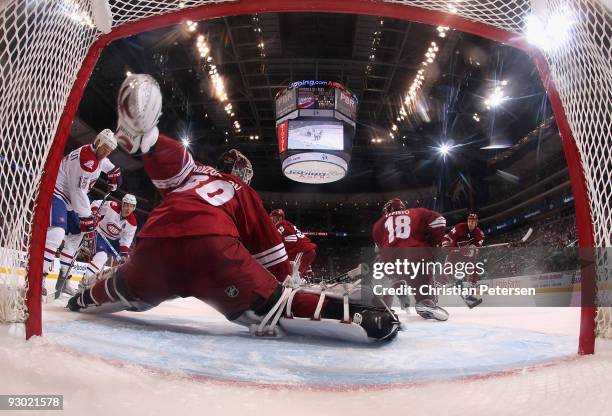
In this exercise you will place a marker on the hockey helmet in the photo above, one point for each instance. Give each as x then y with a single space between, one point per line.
277 213
237 164
393 205
129 199
107 138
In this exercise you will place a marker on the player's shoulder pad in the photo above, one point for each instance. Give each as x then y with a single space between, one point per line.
115 206
87 158
131 219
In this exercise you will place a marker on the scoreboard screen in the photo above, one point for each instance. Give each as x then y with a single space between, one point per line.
316 135
346 104
319 98
286 102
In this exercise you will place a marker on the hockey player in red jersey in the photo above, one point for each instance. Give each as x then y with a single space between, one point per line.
403 227
299 248
468 237
211 238
465 234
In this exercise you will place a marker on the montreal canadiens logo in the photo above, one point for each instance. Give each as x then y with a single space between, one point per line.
113 230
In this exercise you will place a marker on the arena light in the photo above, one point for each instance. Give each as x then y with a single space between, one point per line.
191 26
495 99
258 34
551 34
73 10
186 141
444 149
376 37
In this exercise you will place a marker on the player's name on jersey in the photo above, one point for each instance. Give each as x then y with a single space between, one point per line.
430 290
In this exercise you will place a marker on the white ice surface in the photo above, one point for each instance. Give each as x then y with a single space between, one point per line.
183 358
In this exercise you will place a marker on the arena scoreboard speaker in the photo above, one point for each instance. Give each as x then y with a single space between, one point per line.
315 126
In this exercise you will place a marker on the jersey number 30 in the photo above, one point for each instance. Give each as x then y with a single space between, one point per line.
398 227
216 192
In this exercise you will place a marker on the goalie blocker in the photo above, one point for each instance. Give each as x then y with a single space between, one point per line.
241 289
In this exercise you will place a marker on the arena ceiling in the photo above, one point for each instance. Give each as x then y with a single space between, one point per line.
337 47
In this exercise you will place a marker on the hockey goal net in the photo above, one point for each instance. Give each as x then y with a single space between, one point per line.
49 48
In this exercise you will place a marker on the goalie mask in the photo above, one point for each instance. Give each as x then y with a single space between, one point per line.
138 107
237 164
393 205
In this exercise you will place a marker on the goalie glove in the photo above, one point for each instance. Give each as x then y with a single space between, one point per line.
139 106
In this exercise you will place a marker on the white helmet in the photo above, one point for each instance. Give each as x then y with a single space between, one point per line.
139 106
105 137
129 199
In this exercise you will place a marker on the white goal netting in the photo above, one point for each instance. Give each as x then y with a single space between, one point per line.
43 44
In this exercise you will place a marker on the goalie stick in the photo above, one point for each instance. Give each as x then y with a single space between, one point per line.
61 284
357 271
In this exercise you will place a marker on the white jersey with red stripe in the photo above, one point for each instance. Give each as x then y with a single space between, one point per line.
112 225
79 171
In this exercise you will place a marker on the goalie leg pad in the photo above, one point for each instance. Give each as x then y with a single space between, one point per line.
329 318
111 293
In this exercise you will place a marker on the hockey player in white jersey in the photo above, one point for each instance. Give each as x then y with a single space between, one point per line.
70 208
116 226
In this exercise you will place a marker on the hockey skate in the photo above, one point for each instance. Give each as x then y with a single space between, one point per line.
427 309
472 301
62 285
379 324
44 284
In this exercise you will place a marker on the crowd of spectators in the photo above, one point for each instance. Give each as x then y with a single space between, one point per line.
547 250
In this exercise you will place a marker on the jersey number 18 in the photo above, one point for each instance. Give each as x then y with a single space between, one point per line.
398 227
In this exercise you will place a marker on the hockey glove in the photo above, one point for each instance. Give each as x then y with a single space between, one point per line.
114 179
87 226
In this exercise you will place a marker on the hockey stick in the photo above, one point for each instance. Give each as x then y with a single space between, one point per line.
65 277
522 240
357 271
117 255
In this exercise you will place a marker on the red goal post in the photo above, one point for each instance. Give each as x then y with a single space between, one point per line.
49 49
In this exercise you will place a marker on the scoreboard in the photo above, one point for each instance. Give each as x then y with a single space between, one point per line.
315 122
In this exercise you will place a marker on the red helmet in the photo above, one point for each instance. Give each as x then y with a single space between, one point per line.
279 213
237 164
472 216
393 205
